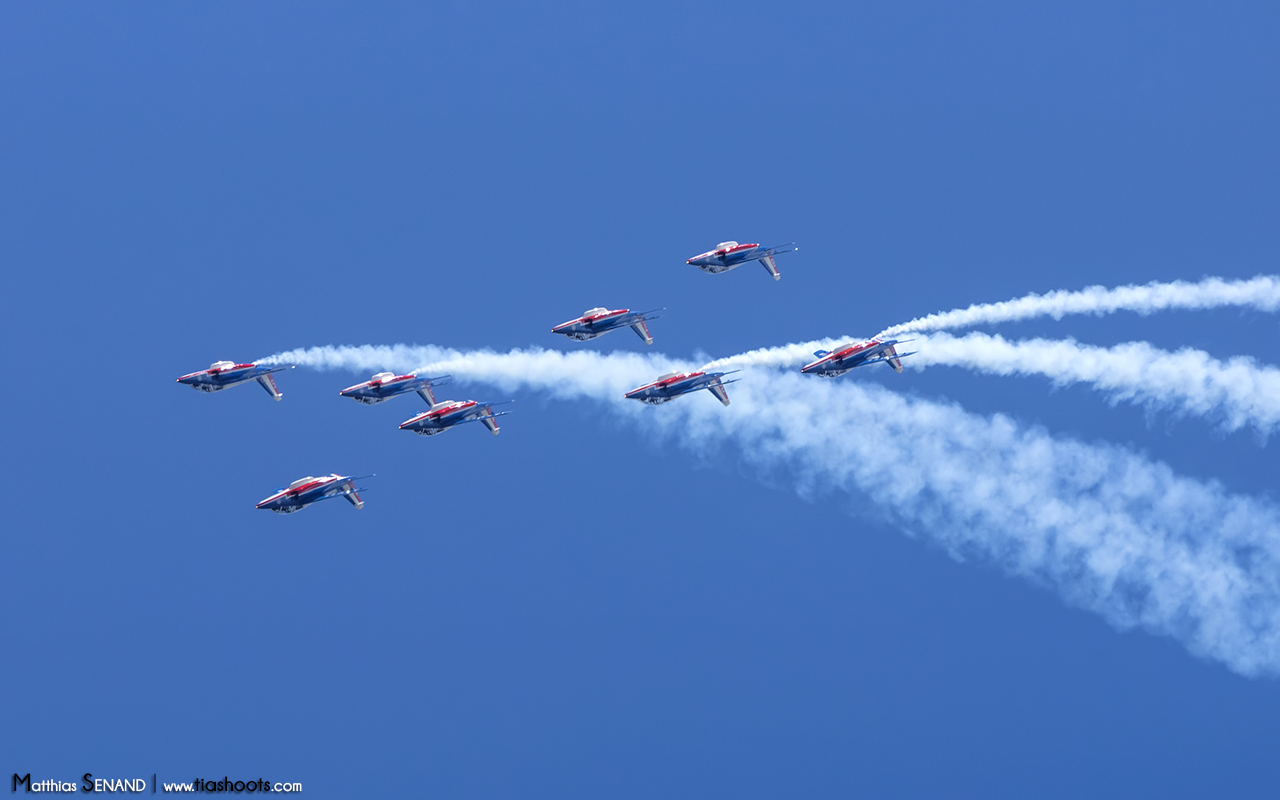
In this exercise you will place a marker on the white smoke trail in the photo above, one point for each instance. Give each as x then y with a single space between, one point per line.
591 376
1261 293
1236 392
1110 530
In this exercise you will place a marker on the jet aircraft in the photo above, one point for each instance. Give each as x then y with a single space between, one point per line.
386 385
305 491
444 416
599 321
728 255
225 374
833 364
673 384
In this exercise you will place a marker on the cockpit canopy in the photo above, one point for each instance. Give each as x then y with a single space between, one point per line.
664 376
726 245
591 312
382 376
301 481
222 365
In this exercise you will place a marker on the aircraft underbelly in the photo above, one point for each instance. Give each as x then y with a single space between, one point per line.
716 269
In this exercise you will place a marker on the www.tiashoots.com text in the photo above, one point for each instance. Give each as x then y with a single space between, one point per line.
88 783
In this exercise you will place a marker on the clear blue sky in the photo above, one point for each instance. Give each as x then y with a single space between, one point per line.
569 610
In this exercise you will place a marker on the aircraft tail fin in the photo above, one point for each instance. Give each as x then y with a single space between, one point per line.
428 390
353 497
771 266
490 421
268 382
892 359
642 330
719 390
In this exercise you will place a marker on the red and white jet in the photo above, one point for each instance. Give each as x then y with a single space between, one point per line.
305 491
449 413
673 384
729 255
386 385
599 321
834 363
225 374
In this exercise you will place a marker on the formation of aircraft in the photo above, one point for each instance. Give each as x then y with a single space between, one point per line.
834 363
729 255
441 416
386 385
305 491
225 374
599 321
673 384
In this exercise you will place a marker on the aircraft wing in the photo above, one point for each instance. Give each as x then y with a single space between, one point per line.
891 359
479 417
716 387
766 258
352 495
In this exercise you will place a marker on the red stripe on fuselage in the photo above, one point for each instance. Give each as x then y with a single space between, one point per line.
841 355
306 487
439 412
667 382
605 315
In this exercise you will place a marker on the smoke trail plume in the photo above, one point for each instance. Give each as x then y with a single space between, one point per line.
1261 293
1236 392
1109 530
